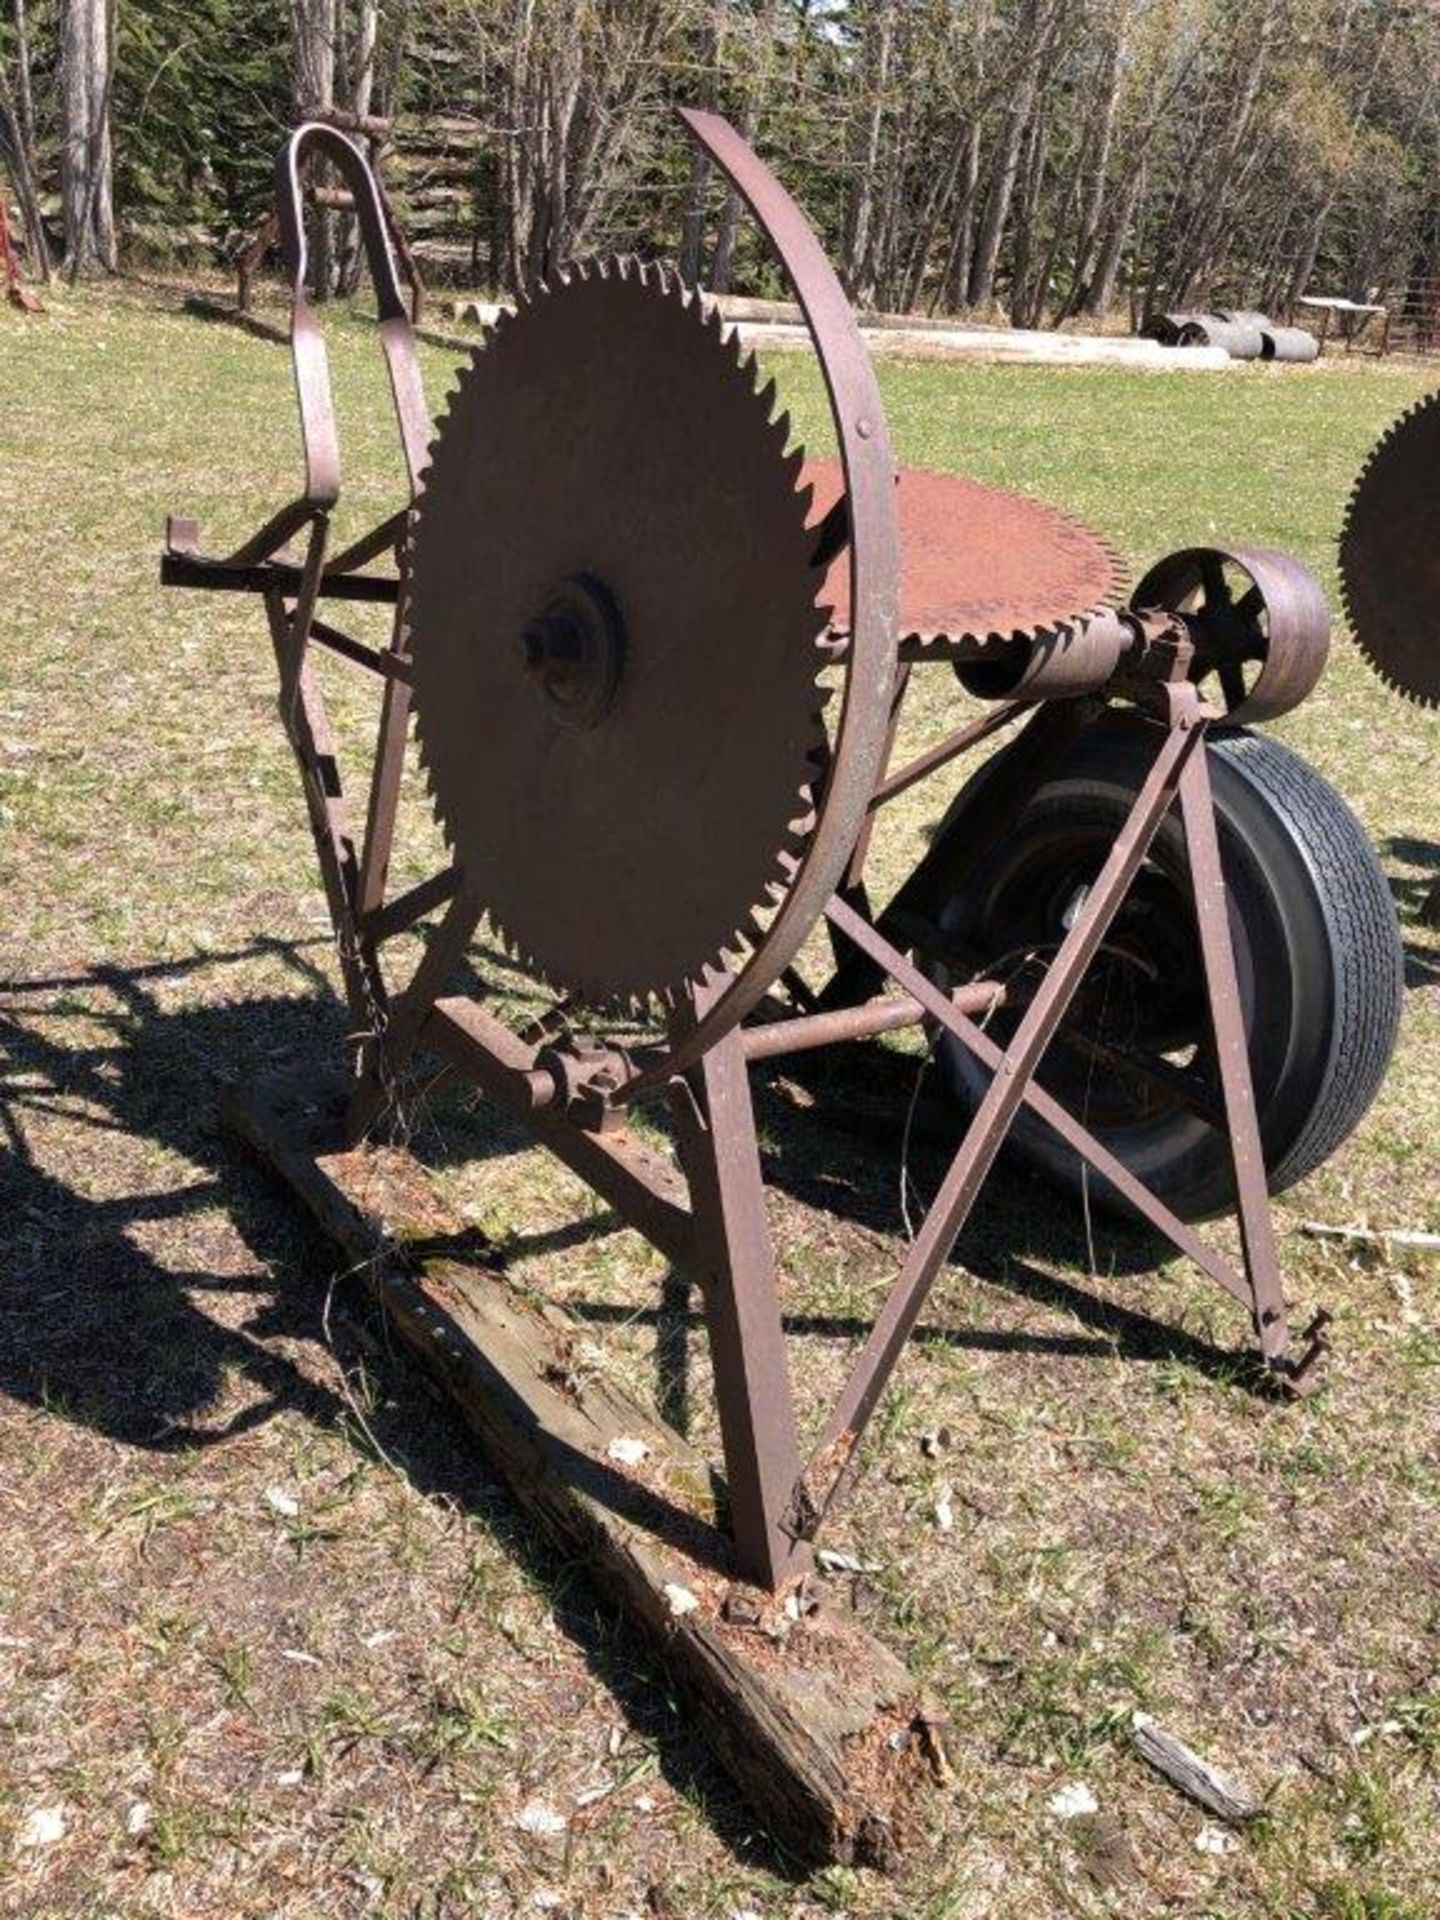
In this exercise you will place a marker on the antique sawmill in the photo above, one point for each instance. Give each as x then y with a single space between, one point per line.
655 659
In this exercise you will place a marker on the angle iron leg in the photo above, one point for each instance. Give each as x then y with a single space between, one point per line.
1007 1090
1257 1229
721 1160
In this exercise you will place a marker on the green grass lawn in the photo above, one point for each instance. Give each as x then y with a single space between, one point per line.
273 1642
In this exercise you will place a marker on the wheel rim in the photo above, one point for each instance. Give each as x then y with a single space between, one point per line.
1135 1051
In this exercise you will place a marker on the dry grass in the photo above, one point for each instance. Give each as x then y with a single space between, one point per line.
273 1642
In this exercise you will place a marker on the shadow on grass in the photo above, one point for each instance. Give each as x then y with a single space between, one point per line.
1416 897
100 1330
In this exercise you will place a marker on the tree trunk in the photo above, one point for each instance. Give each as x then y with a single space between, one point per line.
359 68
1033 58
85 160
955 278
693 237
1100 296
1025 299
1093 207
758 58
692 241
879 46
367 39
23 114
314 31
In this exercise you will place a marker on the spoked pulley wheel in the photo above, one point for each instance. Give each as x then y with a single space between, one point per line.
1258 620
1316 946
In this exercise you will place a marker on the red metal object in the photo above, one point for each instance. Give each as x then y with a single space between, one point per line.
616 570
1388 549
1257 620
16 292
979 562
541 635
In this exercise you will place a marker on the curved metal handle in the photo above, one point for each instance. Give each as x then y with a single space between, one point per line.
307 342
862 728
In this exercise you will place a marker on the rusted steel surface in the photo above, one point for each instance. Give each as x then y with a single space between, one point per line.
577 580
977 561
1257 620
1390 556
613 610
861 728
889 1014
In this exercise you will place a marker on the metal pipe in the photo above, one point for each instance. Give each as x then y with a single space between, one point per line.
887 1015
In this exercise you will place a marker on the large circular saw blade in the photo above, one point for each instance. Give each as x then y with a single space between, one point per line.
616 638
1390 556
979 562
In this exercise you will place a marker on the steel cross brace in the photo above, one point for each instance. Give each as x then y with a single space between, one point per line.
1179 771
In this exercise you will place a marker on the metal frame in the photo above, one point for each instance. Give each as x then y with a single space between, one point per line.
706 1214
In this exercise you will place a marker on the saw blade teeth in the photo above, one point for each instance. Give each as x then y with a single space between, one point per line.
1385 547
617 974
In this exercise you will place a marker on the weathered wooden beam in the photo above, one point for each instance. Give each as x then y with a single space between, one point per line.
820 1725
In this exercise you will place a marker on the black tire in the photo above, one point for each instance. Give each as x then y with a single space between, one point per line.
1313 925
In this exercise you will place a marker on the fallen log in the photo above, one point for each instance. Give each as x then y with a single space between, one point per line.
820 1725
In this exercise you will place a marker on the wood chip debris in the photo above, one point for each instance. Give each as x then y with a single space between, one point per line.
538 1817
944 1508
831 1561
1217 1792
1212 1839
1073 1801
1374 1236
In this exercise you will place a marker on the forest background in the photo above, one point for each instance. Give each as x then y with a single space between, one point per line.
1036 159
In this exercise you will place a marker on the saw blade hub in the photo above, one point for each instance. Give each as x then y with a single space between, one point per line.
573 650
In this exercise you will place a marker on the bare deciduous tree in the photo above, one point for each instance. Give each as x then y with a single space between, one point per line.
86 48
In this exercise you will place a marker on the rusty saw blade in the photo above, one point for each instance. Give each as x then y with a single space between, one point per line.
978 562
616 636
1390 556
